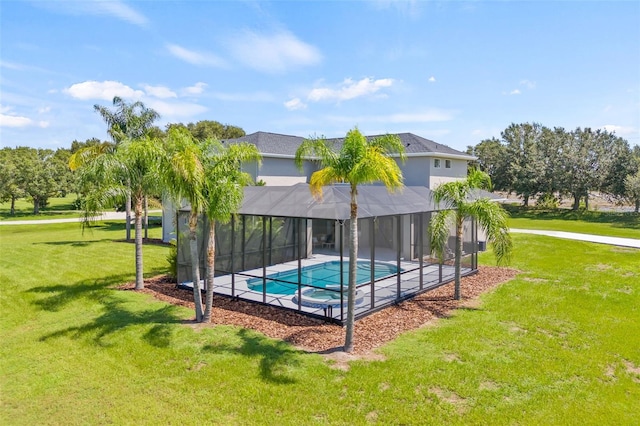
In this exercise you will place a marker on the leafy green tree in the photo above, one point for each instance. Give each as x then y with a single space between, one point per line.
586 162
621 164
457 198
359 161
525 161
10 188
549 149
209 129
493 160
36 175
223 191
632 186
132 171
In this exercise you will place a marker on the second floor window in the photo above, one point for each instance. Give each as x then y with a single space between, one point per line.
447 164
436 163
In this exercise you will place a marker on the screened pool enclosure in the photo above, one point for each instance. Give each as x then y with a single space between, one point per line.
286 248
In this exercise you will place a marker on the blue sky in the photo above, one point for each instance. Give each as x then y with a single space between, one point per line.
455 72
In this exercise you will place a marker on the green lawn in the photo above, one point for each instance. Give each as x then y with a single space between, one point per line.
58 208
557 345
587 222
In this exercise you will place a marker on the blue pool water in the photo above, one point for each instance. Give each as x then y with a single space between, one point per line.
323 275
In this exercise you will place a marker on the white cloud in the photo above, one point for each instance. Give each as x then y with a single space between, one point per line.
622 131
105 90
114 8
295 104
515 92
196 58
44 110
349 90
528 84
196 89
14 121
8 119
160 92
409 8
273 53
432 79
121 11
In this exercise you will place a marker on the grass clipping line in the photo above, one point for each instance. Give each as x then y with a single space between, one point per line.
314 335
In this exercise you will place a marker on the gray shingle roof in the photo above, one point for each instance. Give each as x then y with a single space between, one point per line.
273 143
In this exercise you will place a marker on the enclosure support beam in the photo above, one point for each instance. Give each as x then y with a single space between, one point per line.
264 259
372 239
341 223
398 251
299 245
244 236
233 250
421 249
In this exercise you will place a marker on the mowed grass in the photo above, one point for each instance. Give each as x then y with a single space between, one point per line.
58 208
626 225
557 345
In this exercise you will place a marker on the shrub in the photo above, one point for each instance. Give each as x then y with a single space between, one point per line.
172 258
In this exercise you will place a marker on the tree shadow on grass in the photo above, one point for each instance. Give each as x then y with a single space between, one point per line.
115 316
276 357
95 290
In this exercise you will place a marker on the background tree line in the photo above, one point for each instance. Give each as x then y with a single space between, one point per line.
39 174
535 161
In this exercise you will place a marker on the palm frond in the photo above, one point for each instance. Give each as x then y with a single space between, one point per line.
315 149
439 231
493 219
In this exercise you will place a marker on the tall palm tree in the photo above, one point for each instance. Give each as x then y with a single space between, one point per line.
183 175
457 197
136 162
127 121
223 191
359 161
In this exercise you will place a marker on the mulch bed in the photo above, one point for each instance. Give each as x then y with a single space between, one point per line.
315 335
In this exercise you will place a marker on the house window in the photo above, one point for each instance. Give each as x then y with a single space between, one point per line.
436 163
447 164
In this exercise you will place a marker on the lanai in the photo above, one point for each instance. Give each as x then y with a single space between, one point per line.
273 251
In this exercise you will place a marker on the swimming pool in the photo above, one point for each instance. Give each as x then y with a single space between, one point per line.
323 275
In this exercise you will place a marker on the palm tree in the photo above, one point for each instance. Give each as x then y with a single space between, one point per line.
127 121
136 162
458 198
223 191
359 161
183 175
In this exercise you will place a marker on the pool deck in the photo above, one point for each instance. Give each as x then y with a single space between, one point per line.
384 290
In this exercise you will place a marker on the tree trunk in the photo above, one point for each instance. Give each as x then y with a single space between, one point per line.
139 269
525 200
13 205
458 256
211 269
146 218
576 201
353 258
195 263
36 205
637 205
586 200
128 215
